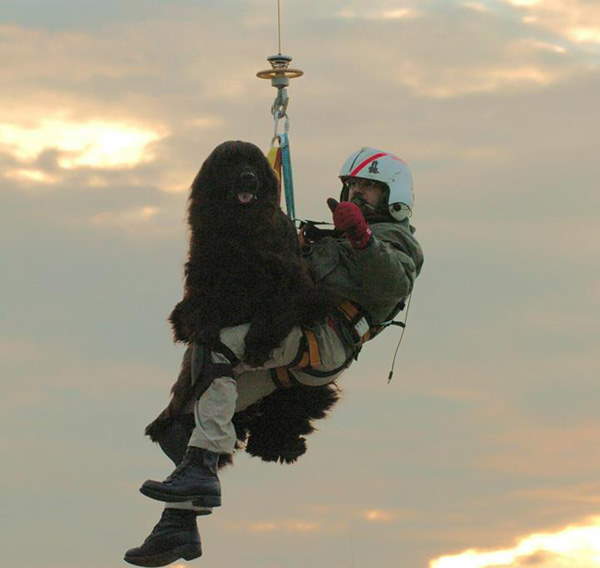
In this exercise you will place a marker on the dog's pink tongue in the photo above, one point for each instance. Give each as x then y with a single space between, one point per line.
245 197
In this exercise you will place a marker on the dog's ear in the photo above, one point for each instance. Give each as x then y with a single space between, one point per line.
205 178
197 196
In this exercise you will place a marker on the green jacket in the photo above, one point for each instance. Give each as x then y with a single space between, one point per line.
377 277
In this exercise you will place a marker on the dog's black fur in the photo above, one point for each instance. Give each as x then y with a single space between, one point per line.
245 265
244 262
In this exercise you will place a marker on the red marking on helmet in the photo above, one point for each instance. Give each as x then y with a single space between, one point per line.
366 163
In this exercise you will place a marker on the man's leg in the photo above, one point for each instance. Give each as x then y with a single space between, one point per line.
176 535
195 479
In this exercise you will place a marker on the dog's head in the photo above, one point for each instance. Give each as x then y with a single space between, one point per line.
236 175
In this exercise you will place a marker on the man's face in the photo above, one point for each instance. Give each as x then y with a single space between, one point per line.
366 189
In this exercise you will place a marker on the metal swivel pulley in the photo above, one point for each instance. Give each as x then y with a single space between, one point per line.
280 75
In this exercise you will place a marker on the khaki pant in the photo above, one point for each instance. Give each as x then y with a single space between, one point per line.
214 410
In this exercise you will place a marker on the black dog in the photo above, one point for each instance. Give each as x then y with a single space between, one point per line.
244 262
245 265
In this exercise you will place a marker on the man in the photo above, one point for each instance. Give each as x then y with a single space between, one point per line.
371 262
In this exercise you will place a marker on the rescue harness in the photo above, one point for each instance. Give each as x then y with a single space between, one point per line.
353 328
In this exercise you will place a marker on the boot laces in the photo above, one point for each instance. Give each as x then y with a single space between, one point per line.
175 473
166 522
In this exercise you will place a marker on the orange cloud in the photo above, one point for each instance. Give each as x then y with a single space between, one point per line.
31 175
382 14
575 20
574 546
379 516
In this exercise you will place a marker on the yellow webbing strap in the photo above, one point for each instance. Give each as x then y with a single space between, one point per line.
274 158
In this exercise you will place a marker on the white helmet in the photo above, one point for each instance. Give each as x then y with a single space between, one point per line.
369 163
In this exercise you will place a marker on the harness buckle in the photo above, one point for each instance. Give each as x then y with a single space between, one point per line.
362 329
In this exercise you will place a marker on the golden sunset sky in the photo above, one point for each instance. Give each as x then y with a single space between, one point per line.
484 449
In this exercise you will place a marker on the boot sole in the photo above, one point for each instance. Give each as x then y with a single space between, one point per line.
197 500
186 551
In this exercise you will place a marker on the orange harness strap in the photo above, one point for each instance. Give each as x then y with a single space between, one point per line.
310 356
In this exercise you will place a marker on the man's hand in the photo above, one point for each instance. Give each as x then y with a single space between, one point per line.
348 218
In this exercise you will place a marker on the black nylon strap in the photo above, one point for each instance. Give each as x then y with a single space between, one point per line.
216 370
205 371
317 373
302 348
224 350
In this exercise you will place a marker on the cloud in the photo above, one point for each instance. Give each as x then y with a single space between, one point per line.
576 21
580 493
471 48
30 175
454 82
126 219
545 452
382 14
108 102
477 6
331 520
379 516
574 545
54 367
93 143
283 526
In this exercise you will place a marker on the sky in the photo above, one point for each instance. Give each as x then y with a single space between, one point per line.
483 450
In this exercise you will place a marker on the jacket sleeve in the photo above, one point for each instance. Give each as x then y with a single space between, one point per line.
387 268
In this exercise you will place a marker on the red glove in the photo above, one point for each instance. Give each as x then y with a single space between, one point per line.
348 218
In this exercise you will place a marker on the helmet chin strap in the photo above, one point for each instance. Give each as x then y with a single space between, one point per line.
365 206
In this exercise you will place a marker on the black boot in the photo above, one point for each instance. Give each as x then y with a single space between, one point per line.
194 479
175 536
